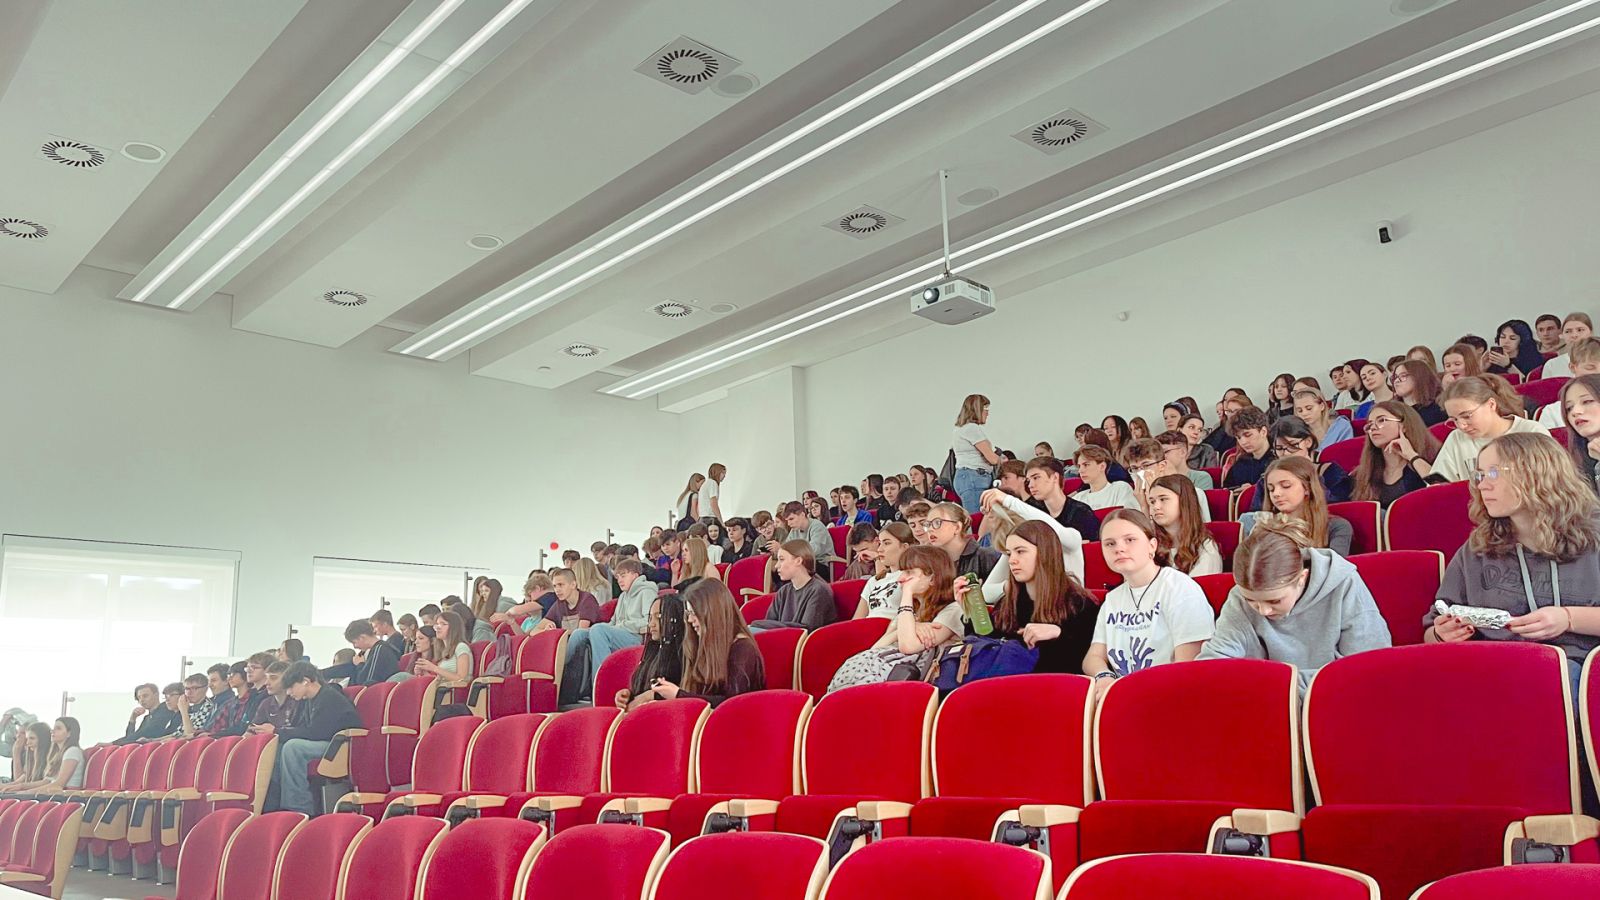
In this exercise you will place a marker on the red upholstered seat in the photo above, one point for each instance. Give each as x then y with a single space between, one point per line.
1201 877
252 856
755 609
1589 714
497 757
116 776
385 862
779 647
441 764
314 856
648 755
1242 505
182 809
403 724
543 659
493 696
1239 750
141 772
840 535
615 674
1219 501
1544 390
1346 453
1546 882
1434 518
1404 583
360 761
567 760
1097 574
609 608
975 521
1364 517
201 860
824 650
939 867
1421 757
249 771
481 859
1216 587
846 596
1443 429
23 825
599 862
144 816
41 857
749 749
1226 534
744 866
747 577
1071 484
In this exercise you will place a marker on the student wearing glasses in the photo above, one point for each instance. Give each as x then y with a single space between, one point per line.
1396 439
1291 437
1415 383
1150 460
1484 408
949 528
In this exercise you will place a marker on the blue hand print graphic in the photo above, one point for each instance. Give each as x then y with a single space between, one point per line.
1136 658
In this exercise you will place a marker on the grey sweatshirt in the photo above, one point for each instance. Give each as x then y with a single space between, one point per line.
633 607
1335 616
1473 579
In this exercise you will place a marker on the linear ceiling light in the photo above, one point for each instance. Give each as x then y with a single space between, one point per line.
639 386
923 63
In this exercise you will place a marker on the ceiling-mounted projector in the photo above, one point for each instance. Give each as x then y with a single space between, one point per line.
953 300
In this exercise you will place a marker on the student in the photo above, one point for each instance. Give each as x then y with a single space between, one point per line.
949 528
1249 428
692 564
1117 433
863 543
1296 603
1043 448
1574 328
1353 382
1547 328
569 558
1175 506
927 617
1175 456
1099 492
974 453
1114 472
1584 357
55 759
687 507
277 707
804 601
1515 352
29 758
850 511
1415 383
571 609
1375 379
485 606
537 594
711 492
407 626
376 658
1280 400
293 651
1457 362
720 656
1534 551
1044 605
1396 438
1327 427
1484 407
663 653
588 647
1045 487
1156 616
1580 398
1292 437
383 626
320 713
150 718
1150 460
1425 356
741 542
1293 490
454 654
425 615
1341 398
822 512
195 707
1201 454
891 501
1013 477
1172 415
232 720
598 586
880 594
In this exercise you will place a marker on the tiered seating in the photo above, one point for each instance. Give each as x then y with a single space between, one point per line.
493 696
406 717
497 760
748 578
357 758
1364 517
597 862
183 807
615 674
1196 877
440 764
41 849
568 759
747 752
544 658
145 815
1226 534
249 771
911 868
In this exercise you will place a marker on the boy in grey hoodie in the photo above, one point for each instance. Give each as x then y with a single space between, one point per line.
1294 604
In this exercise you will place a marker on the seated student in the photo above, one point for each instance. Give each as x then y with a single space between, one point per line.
425 615
927 616
1008 513
54 759
1375 379
1580 397
1515 352
538 593
1534 552
881 593
383 626
454 654
720 656
1114 470
1249 429
1340 399
1156 616
891 500
216 682
741 540
1353 384
1175 506
1045 488
1151 459
1099 491
1575 327
407 625
698 530
277 708
814 533
863 544
1458 361
233 719
1292 489
195 708
1043 605
570 608
1172 415
769 532
1396 438
321 711
291 651
1013 477
1484 407
671 543
1291 437
1221 439
663 652
485 606
468 620
1547 328
1280 400
588 647
28 759
1294 603
949 528
805 600
376 658
850 511
1415 383
1326 426
1043 448
1175 459
1585 359
693 564
1201 454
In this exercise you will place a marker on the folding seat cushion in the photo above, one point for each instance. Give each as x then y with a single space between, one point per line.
755 609
649 755
482 859
1551 881
615 674
824 650
1231 743
1347 453
252 856
744 866
568 759
747 577
497 758
1404 584
543 661
315 855
249 771
1202 877
201 860
439 768
749 749
1434 518
1226 534
1422 757
407 715
114 822
914 868
598 862
386 862
1364 517
49 851
144 816
1216 587
779 649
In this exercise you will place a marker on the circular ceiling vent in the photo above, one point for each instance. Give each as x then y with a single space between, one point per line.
722 309
977 196
73 153
485 242
672 309
142 152
1059 132
863 223
345 298
22 228
736 84
581 351
686 65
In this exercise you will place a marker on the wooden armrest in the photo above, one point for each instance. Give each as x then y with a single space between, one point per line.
360 799
538 676
551 804
1047 815
352 733
750 592
215 796
480 801
396 729
413 801
489 679
7 877
881 810
638 806
1563 831
1265 821
745 809
183 793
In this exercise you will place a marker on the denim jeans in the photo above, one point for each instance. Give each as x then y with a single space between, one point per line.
970 485
293 758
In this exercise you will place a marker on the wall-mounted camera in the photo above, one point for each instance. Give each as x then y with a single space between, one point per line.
1385 232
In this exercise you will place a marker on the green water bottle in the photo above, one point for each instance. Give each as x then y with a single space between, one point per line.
972 603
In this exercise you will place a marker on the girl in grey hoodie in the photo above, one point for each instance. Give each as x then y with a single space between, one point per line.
1294 603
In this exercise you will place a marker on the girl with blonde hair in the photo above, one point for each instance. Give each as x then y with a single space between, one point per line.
1484 407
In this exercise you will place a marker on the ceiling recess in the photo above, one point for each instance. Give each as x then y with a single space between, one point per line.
1060 131
345 298
76 154
864 222
688 65
24 229
582 351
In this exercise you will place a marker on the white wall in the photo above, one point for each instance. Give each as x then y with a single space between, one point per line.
752 431
1496 226
125 423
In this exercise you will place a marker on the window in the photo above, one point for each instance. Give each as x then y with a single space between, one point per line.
343 590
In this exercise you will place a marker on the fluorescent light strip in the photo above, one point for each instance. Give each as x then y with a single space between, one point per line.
923 64
363 87
1157 192
451 63
631 384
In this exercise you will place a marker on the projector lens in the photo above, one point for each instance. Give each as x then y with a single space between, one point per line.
930 294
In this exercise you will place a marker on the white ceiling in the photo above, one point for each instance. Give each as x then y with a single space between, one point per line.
549 140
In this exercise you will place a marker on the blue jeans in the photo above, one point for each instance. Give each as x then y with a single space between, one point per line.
603 640
970 485
293 758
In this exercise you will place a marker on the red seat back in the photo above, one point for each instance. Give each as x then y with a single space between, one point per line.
1097 574
599 862
1102 513
839 534
158 768
607 610
1434 518
824 650
387 860
442 755
1246 497
369 755
1226 534
616 673
18 850
1542 391
751 743
1210 703
1540 880
213 766
497 758
404 710
747 574
746 865
1443 429
1071 484
649 752
352 691
94 773
1032 711
252 856
755 609
1347 453
544 652
571 751
186 762
778 650
1197 876
200 860
1216 587
1404 584
846 596
54 843
315 854
481 859
1364 517
135 764
1219 502
895 719
940 867
250 765
117 764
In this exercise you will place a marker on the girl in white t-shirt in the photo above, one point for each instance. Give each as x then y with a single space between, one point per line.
1156 616
881 594
926 617
1175 506
711 491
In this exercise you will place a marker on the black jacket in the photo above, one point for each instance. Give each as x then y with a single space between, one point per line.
382 661
323 716
159 723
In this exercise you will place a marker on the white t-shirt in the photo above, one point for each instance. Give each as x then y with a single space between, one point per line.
882 593
1551 416
1557 367
951 617
965 443
713 553
1171 610
75 780
708 492
1115 493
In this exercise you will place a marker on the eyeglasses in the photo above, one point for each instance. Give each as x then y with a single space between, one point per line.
1490 474
933 524
1466 417
919 525
1289 447
1145 467
1380 421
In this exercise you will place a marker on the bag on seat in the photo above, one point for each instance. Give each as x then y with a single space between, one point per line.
977 658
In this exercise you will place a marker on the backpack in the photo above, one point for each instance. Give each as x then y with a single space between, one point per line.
979 657
500 666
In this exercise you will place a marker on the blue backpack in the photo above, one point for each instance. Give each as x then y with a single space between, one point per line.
979 657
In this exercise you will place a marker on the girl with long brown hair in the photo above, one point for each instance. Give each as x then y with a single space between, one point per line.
485 604
926 617
1396 438
1175 507
720 657
1459 361
1415 383
1044 606
1293 490
1580 409
28 758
